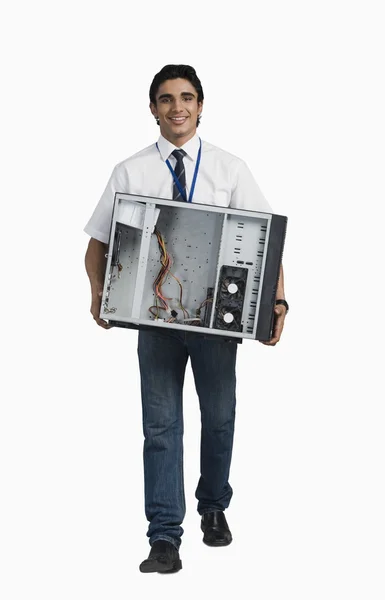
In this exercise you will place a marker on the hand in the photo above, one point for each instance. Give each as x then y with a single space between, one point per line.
96 303
279 318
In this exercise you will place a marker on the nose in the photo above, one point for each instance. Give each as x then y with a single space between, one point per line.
178 107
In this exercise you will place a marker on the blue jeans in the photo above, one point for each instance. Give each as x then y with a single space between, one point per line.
163 356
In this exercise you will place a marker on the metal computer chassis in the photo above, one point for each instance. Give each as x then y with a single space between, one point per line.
226 261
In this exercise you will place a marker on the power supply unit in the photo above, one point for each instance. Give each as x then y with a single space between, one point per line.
203 268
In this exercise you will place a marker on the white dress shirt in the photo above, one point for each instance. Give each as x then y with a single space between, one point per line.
223 180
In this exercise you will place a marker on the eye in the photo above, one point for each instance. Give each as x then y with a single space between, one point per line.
164 100
188 98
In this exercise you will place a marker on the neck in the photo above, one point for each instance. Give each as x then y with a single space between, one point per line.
178 140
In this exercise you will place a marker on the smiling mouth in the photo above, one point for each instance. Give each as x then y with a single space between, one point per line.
178 120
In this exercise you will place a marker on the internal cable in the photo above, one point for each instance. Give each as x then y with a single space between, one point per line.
161 301
166 262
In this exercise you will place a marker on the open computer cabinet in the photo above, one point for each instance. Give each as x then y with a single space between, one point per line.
197 267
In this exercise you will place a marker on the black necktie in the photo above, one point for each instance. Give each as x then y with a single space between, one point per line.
181 175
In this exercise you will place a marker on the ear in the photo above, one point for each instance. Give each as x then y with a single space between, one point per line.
200 107
153 109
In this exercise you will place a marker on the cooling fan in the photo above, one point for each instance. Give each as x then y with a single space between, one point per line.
229 319
230 298
232 288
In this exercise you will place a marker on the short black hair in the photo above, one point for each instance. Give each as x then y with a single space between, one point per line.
176 72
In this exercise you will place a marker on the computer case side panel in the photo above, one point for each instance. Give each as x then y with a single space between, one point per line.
270 281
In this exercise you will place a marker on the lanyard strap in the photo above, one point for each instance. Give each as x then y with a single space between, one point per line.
177 182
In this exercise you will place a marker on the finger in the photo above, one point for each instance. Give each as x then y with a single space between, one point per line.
271 342
102 323
278 328
276 333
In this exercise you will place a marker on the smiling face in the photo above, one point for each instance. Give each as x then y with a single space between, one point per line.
178 109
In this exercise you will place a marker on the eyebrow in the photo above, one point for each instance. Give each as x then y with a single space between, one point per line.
171 96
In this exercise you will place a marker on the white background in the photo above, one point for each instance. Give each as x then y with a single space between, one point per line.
297 90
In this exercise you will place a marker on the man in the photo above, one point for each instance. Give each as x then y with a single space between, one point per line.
185 168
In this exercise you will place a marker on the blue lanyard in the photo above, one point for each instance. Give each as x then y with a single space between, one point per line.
177 182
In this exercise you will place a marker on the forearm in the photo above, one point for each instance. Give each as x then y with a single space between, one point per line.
95 263
280 295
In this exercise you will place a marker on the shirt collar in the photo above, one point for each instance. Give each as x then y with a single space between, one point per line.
191 147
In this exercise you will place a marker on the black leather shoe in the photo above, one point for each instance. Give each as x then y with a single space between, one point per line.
163 558
215 528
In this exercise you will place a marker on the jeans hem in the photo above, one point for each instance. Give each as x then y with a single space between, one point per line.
208 510
167 538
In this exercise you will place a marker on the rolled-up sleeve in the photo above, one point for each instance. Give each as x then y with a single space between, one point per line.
246 193
99 224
